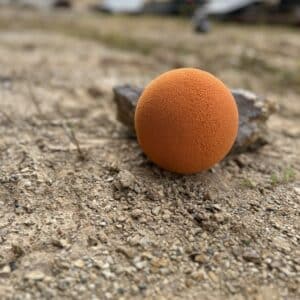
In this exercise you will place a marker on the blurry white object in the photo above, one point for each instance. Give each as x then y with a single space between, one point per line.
121 6
227 6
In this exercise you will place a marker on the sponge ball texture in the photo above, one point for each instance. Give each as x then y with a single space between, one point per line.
186 120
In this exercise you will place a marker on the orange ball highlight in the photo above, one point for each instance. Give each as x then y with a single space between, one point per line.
186 120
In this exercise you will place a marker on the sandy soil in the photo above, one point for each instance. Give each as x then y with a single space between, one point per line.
84 215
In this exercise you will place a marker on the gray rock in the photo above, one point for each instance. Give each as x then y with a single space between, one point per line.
137 213
125 179
126 97
251 255
254 111
108 274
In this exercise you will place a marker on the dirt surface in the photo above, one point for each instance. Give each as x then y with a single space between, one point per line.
84 215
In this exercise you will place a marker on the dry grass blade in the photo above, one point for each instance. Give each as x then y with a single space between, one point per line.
73 139
34 100
7 117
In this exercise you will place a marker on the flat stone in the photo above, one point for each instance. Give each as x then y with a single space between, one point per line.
136 213
35 275
210 195
213 277
198 275
108 274
126 179
220 218
281 244
79 263
156 210
160 262
102 237
126 97
251 255
61 243
254 111
297 190
127 251
199 258
5 271
140 264
101 264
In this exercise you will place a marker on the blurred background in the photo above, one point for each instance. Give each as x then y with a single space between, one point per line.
270 11
253 44
63 154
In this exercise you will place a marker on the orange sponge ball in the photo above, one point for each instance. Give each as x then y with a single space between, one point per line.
186 120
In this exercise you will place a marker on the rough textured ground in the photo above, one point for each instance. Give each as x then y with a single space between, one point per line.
99 221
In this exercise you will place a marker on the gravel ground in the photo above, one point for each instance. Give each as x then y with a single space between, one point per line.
84 215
